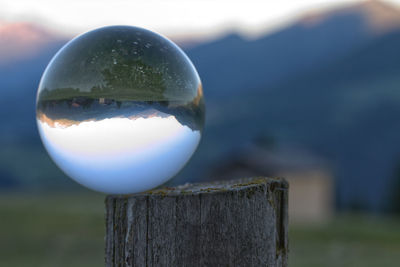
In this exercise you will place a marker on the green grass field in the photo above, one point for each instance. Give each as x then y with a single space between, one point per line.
67 229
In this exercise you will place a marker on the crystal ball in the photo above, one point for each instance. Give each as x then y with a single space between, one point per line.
120 109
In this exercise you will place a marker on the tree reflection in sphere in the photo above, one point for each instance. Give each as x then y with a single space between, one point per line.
120 109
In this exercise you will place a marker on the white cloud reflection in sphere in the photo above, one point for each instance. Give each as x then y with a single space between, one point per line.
120 109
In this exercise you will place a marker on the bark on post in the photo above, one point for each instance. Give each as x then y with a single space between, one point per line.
230 223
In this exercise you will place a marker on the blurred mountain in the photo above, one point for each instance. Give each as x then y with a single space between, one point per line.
379 16
329 83
346 111
21 40
25 50
323 83
313 41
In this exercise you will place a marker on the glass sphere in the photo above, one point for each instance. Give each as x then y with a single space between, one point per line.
120 109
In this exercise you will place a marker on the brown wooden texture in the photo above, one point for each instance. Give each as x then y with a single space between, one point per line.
229 223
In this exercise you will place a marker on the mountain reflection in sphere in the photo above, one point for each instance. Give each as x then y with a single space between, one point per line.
120 109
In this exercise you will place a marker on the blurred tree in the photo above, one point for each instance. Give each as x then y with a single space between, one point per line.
394 194
265 140
7 180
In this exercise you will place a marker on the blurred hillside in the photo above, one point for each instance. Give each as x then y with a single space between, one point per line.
328 83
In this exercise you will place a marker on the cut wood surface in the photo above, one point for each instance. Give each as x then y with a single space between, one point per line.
228 223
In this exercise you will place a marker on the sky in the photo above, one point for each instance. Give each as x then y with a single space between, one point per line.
170 17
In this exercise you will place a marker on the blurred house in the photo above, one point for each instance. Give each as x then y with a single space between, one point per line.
311 186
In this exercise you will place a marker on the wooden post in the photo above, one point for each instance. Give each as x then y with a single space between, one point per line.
230 223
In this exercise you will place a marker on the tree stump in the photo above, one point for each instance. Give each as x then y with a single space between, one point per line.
229 223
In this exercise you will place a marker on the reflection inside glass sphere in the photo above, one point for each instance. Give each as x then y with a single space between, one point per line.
120 109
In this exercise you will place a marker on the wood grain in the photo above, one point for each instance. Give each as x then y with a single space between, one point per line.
230 223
